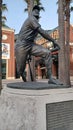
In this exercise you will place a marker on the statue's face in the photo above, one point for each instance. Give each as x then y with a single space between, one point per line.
36 13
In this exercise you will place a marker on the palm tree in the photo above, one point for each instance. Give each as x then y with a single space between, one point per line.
2 22
62 66
64 13
67 11
67 39
0 44
4 8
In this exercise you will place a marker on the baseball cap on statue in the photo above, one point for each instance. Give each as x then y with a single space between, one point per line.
36 10
36 7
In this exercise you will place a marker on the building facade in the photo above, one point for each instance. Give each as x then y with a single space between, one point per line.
55 34
8 58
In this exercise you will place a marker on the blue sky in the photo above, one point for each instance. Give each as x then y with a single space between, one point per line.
16 15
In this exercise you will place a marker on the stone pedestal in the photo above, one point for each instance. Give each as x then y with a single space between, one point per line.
40 109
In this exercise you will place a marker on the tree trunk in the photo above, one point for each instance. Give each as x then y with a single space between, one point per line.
62 65
0 45
67 46
32 63
30 6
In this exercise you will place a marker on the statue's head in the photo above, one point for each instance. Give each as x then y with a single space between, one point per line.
35 11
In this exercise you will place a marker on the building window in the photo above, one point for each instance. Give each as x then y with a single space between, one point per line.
3 69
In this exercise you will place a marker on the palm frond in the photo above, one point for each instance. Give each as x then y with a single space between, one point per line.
25 10
71 8
3 23
38 2
4 7
26 1
42 8
4 18
57 2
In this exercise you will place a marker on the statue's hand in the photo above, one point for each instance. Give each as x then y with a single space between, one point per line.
55 48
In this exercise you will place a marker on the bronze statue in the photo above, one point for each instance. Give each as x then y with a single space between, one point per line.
25 45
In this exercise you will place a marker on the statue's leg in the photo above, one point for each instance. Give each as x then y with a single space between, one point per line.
38 50
21 57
